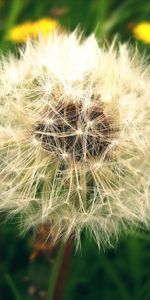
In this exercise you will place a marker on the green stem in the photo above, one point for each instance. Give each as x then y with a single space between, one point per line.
15 9
59 272
12 287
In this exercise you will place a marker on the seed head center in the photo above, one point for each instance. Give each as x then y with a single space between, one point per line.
75 132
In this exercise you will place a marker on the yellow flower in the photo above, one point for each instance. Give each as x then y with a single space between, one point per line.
142 32
22 32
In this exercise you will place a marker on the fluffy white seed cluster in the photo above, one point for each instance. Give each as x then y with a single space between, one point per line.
75 138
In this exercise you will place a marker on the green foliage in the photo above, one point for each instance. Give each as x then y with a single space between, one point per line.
119 273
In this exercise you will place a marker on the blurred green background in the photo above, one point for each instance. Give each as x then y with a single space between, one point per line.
121 273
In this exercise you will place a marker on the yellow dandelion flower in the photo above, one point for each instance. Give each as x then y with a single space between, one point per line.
142 32
22 32
45 26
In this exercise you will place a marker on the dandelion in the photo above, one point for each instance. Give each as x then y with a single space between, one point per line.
142 32
75 138
22 32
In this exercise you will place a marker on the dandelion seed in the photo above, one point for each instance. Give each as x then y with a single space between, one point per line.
35 142
81 146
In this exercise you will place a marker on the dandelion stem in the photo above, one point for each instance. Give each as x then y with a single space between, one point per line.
59 272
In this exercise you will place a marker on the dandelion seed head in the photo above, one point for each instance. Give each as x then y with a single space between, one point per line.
74 138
